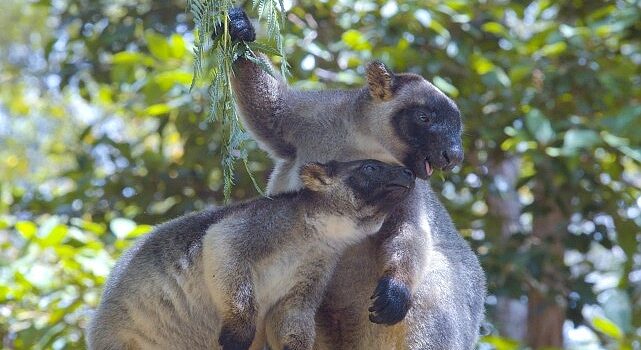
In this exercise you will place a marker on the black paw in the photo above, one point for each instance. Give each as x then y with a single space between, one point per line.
230 340
240 27
392 300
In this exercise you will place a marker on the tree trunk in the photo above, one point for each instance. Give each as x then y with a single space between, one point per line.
546 304
544 322
504 205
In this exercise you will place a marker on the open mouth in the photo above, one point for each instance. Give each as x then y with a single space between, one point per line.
422 166
428 168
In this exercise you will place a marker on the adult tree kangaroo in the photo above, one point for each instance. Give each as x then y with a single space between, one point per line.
428 286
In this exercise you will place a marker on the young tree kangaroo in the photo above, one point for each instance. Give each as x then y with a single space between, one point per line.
211 277
419 269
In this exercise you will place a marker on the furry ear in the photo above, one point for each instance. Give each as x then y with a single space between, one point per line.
315 176
380 80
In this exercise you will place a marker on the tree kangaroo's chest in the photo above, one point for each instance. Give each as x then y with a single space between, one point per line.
275 276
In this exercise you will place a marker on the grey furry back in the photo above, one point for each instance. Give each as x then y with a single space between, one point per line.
166 263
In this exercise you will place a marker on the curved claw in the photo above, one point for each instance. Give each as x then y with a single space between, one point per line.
392 301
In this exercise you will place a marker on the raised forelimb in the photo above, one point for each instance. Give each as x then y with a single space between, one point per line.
401 258
258 93
278 117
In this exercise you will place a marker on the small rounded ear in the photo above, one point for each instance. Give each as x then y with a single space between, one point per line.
380 80
315 176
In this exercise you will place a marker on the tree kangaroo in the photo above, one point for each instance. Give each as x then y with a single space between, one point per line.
210 277
420 270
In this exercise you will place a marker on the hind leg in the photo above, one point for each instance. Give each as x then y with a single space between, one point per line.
290 329
290 323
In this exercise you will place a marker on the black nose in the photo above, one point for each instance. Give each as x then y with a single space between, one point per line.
402 177
453 157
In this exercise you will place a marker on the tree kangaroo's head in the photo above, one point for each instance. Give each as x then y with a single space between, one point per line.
362 189
413 120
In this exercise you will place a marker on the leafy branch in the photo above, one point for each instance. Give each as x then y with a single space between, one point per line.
214 56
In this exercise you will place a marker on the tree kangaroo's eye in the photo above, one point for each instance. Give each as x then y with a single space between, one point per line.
424 116
369 168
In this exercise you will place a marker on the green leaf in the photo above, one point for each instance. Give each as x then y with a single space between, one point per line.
539 126
619 122
158 109
519 72
170 78
502 77
96 228
139 231
614 140
501 343
55 236
445 86
130 57
555 49
580 138
439 28
264 48
494 28
260 63
355 40
631 152
607 327
4 223
617 307
622 145
158 45
481 64
27 229
177 46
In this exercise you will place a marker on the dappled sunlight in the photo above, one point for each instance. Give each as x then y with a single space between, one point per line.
102 135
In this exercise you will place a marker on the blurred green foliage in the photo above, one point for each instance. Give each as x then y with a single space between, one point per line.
100 137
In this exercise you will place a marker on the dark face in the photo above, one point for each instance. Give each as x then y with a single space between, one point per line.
375 183
433 132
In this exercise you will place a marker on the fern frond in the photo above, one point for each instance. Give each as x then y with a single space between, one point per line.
213 60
